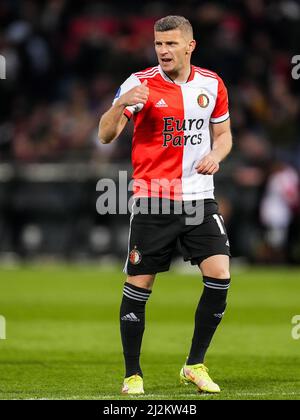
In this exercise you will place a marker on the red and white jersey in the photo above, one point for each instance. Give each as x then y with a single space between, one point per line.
172 132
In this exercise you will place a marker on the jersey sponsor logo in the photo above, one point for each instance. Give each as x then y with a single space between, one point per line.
135 256
161 104
203 100
172 124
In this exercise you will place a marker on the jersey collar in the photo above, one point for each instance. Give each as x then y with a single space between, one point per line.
168 79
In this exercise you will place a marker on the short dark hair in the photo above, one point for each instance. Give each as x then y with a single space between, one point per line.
169 23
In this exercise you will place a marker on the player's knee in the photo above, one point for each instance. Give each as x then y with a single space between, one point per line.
220 273
144 282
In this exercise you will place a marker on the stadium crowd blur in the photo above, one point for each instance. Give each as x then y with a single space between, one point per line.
64 61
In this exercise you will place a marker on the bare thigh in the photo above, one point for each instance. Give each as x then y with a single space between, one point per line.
217 267
144 281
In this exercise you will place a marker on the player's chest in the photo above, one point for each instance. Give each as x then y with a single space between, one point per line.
181 101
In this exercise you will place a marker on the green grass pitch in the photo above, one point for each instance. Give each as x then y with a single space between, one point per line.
63 335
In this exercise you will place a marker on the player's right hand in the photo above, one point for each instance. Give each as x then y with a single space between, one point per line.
137 95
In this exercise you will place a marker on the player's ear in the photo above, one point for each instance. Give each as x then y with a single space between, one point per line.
192 45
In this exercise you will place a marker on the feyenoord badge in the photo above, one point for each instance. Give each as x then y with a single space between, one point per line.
203 100
135 256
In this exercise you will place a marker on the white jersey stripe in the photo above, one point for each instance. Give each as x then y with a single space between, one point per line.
205 74
141 74
151 77
206 71
196 186
147 71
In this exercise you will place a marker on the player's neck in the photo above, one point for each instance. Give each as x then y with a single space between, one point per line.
180 76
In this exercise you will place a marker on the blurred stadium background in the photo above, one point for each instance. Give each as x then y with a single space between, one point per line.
65 60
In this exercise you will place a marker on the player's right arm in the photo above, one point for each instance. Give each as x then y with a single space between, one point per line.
112 123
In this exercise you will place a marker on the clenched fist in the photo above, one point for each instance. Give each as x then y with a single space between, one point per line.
137 95
209 165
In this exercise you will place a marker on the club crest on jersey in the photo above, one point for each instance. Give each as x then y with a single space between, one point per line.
135 256
203 100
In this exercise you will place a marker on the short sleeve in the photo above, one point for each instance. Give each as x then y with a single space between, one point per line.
221 111
130 83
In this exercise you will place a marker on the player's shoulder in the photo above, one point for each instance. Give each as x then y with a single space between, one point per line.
207 73
147 73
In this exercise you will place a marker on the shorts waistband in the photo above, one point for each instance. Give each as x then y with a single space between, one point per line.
161 204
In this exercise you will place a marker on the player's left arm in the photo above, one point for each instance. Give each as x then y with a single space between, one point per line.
221 147
220 133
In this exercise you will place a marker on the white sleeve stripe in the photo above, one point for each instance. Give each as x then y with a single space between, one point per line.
145 73
220 119
206 71
151 77
206 74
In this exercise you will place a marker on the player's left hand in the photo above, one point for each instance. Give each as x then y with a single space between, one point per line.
209 165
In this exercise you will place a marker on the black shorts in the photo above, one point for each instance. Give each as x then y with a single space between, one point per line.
153 238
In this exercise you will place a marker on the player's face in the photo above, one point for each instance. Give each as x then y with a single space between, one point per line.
173 49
